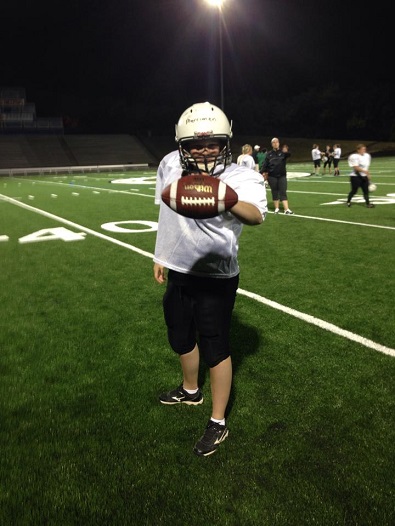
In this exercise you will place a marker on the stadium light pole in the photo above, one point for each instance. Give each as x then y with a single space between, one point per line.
218 4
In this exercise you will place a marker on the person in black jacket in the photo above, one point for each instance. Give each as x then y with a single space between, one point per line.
328 159
274 170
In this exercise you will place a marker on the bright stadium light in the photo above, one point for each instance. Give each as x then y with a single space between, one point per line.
218 4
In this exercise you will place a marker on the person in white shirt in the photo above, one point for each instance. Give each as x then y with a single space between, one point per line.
336 159
198 259
255 155
246 158
360 175
316 155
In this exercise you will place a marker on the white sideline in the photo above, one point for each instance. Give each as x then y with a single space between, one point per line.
72 169
297 314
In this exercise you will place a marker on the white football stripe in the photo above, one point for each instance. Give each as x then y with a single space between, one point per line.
173 195
221 191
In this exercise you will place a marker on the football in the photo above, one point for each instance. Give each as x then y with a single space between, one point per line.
372 187
199 196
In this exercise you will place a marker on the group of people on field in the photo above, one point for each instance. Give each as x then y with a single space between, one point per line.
272 165
331 155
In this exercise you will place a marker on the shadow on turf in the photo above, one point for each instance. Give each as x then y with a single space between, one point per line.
245 341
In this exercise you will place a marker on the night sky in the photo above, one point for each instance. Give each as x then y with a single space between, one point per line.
166 51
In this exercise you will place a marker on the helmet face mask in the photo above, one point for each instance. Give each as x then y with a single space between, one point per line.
210 163
204 121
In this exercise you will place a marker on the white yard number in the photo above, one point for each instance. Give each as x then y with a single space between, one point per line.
64 234
51 234
114 226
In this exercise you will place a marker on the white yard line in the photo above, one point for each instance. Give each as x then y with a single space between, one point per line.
316 193
295 215
292 312
336 181
319 323
99 188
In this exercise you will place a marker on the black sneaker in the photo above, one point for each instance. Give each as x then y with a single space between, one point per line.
180 396
348 204
370 205
209 442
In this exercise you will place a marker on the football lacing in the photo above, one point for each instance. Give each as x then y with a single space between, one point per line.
200 201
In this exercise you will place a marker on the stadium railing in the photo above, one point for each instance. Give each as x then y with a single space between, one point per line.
73 169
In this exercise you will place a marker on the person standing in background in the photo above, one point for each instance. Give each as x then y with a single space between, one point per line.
255 153
274 170
261 157
246 158
328 159
316 155
336 159
360 175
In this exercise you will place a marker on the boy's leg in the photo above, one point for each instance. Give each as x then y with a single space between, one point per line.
190 368
221 382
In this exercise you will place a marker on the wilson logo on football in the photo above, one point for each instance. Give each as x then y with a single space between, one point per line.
199 188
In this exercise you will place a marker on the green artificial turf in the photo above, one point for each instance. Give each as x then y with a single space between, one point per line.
84 356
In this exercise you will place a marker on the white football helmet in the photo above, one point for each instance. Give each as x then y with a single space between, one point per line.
204 121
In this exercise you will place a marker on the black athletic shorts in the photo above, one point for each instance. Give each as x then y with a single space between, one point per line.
199 310
278 187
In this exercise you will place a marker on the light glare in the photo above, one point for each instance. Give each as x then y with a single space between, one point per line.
216 3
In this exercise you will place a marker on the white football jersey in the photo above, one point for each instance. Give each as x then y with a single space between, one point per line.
360 161
315 154
246 160
337 153
204 247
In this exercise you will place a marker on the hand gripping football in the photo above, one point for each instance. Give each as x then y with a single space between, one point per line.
199 196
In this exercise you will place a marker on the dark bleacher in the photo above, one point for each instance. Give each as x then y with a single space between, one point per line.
12 154
37 151
108 149
31 142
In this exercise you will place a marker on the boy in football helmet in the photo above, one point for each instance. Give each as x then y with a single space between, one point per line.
197 258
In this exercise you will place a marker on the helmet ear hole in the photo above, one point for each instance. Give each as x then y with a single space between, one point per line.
186 145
